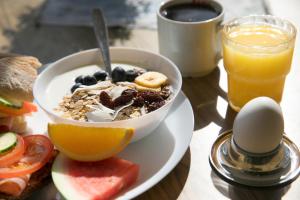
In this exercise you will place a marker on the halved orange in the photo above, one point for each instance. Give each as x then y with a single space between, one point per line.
89 143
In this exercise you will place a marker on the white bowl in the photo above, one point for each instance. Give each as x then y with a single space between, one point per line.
143 125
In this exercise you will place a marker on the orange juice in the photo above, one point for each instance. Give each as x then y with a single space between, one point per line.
257 58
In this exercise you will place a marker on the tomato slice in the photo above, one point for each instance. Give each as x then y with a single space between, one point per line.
38 152
14 155
27 107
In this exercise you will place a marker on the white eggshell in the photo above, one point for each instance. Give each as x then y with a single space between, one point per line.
259 126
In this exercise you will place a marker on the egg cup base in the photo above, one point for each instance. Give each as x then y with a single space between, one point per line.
278 168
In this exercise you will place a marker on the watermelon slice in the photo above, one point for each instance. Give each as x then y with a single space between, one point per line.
101 180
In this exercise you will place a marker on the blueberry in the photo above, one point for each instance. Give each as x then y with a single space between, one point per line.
131 75
79 79
74 87
100 75
89 80
118 74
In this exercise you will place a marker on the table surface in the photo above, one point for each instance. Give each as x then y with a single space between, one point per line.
192 178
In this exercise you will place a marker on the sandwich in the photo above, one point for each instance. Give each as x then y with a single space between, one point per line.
25 164
17 75
25 161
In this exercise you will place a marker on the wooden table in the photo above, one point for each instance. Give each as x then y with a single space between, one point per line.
192 178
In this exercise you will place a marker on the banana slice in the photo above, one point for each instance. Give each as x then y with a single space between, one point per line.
142 88
151 79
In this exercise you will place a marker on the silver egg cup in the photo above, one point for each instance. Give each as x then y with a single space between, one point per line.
276 168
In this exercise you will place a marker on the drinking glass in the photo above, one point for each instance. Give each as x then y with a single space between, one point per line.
257 52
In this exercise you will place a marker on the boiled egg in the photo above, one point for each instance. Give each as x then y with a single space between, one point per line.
259 126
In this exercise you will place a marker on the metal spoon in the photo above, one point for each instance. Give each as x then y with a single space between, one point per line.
101 33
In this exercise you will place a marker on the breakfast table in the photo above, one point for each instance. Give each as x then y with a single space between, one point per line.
193 178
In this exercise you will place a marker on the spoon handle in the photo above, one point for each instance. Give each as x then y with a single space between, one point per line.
100 30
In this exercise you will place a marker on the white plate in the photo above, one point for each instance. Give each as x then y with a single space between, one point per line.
157 154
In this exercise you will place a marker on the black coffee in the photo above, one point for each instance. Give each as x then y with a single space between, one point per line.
190 12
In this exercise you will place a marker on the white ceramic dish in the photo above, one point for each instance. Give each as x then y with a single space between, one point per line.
157 154
48 98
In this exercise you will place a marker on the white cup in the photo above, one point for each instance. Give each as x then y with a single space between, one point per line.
193 46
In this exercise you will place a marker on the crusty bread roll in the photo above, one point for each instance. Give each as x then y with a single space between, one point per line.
17 75
18 124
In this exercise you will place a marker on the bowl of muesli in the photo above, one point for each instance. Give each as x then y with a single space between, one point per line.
138 94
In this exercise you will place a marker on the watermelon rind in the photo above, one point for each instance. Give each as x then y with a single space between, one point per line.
61 179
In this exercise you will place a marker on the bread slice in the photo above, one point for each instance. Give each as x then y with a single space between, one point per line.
37 180
18 124
17 75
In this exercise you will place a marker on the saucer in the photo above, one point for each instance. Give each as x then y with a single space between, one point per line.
277 168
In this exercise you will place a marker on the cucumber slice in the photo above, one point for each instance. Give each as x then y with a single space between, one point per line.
7 141
10 104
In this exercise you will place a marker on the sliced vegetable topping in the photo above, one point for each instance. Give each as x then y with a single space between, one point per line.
7 141
10 157
38 152
8 103
27 107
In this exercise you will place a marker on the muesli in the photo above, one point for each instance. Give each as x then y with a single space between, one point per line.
127 94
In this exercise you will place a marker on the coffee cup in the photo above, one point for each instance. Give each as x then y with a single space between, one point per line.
188 34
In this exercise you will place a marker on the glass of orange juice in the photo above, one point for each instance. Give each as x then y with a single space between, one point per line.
257 53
